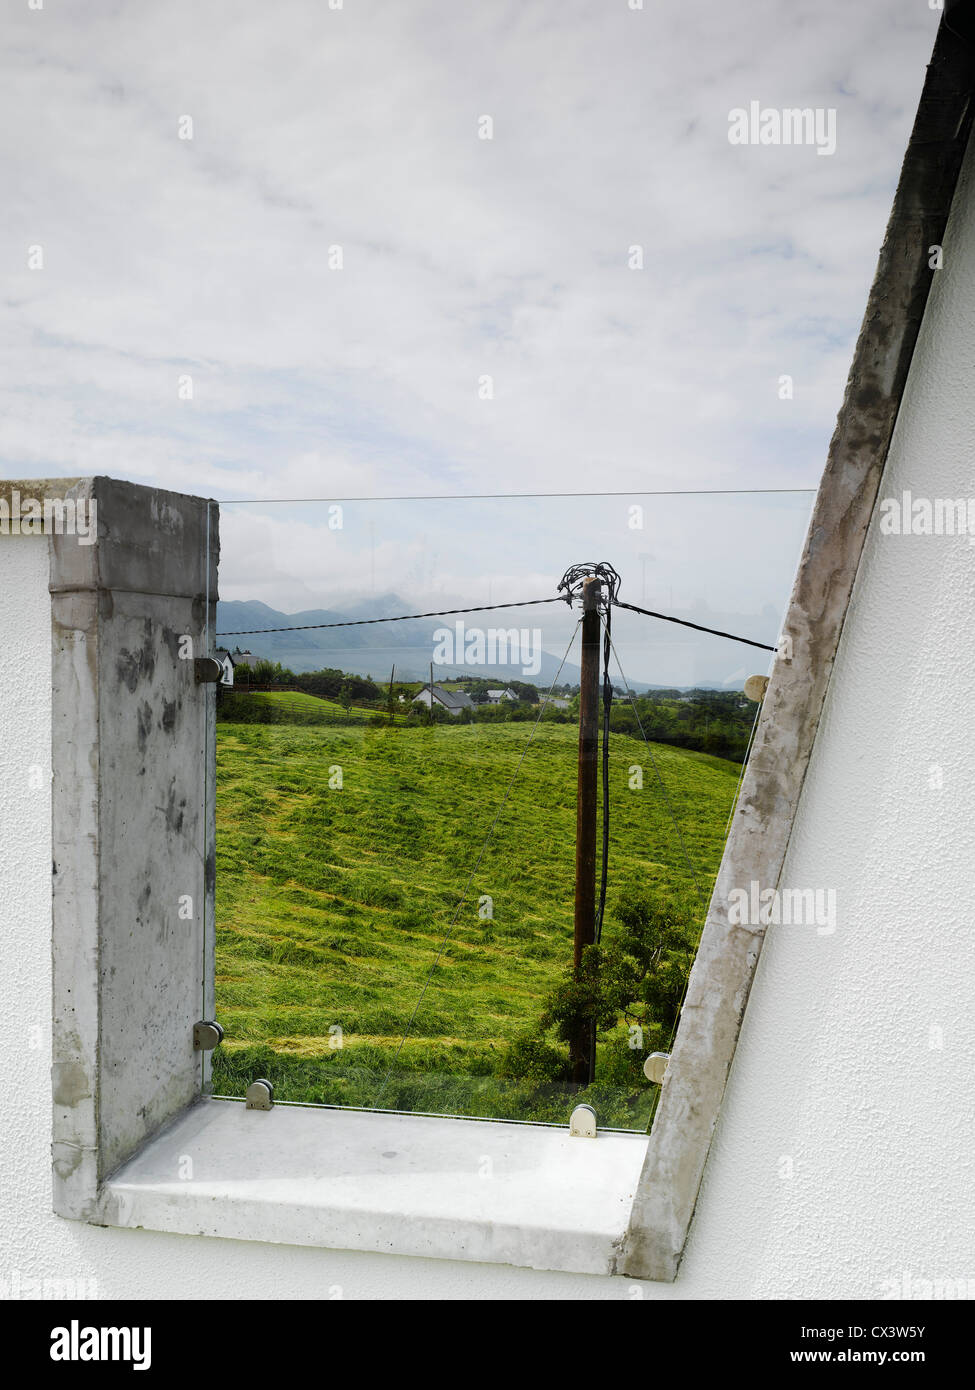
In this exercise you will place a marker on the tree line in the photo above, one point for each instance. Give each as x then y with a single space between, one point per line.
709 721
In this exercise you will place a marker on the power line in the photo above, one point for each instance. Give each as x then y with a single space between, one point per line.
741 775
518 496
487 608
680 837
400 618
683 622
687 858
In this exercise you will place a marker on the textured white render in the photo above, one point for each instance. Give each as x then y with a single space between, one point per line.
844 1157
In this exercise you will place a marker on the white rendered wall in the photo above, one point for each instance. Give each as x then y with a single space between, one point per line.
854 1070
844 1157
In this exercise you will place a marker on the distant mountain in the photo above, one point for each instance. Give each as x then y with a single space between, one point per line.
375 647
371 649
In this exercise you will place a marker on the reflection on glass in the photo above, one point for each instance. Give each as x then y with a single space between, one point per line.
396 801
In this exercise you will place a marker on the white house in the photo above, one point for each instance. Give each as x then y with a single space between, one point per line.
227 663
453 701
496 696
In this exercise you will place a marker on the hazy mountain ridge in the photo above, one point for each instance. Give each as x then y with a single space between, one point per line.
368 650
374 648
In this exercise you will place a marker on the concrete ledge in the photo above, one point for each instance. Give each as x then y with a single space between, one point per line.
409 1185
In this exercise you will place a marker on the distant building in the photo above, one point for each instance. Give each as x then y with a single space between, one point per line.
496 696
453 701
240 658
227 663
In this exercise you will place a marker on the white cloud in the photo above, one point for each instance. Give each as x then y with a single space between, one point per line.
358 127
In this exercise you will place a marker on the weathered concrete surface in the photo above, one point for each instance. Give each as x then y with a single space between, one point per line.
133 825
725 965
36 487
414 1184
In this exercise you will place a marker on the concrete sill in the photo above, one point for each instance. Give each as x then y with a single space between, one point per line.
399 1184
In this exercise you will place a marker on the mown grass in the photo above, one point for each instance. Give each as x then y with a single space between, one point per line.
293 707
335 903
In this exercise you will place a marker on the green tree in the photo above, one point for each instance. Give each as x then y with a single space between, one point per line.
637 976
525 691
265 672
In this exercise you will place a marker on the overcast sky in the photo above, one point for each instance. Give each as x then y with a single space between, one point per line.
463 258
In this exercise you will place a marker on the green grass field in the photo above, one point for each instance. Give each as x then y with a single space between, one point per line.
333 903
295 707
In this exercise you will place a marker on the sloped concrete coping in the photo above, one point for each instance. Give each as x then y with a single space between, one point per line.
725 965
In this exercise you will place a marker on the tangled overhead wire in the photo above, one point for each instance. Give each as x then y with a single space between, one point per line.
576 575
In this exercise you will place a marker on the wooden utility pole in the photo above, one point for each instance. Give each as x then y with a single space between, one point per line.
389 701
582 1045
